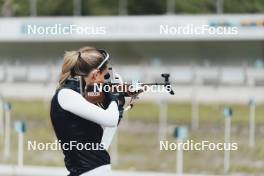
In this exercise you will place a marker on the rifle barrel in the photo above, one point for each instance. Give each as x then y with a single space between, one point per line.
142 84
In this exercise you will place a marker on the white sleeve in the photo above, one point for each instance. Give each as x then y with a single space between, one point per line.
108 136
73 102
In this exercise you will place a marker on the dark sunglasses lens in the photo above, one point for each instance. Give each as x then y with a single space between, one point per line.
107 76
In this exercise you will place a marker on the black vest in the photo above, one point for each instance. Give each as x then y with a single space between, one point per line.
70 127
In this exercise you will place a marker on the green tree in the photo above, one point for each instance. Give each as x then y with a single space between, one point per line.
14 7
146 7
55 7
135 7
100 7
244 6
195 6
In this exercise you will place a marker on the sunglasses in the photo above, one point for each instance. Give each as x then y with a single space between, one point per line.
106 57
107 76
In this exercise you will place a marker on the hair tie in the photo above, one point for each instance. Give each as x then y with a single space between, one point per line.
79 54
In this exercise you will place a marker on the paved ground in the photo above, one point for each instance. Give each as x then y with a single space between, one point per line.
57 171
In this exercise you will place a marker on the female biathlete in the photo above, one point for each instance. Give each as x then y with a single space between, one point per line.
84 130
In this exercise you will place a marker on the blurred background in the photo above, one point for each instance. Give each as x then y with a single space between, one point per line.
208 72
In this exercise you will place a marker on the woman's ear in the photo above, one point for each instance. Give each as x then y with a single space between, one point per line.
92 77
94 74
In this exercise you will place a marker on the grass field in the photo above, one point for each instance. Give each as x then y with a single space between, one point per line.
138 138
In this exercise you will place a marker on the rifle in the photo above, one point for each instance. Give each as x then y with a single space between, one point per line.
114 84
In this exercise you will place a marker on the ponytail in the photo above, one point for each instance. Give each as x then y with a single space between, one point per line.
70 60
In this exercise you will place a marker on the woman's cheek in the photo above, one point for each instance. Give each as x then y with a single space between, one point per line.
100 79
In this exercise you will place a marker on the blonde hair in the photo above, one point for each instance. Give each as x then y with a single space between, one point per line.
80 63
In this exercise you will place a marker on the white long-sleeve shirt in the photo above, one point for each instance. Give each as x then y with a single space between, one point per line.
73 102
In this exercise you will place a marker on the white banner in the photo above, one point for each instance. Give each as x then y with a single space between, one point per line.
133 28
